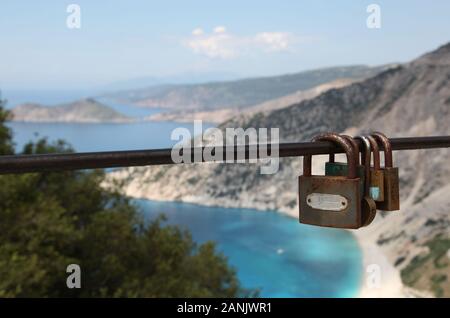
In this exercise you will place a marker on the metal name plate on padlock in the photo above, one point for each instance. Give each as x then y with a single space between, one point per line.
326 201
391 200
330 189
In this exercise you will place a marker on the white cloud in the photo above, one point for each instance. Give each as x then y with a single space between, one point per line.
197 31
218 45
222 44
275 41
220 29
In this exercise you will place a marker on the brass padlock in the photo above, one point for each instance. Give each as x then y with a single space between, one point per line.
332 201
376 188
391 179
368 205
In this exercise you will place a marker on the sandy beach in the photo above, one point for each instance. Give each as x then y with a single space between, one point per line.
388 283
379 279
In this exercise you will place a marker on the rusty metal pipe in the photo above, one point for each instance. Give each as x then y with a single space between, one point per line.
114 159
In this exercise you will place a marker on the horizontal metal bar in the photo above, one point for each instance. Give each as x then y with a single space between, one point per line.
114 159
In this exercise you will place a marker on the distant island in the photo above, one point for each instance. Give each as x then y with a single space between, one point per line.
81 111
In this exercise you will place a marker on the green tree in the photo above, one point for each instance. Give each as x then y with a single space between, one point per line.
51 220
6 146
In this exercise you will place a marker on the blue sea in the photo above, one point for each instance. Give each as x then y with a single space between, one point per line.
94 137
270 251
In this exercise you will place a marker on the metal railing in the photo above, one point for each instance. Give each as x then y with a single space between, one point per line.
115 159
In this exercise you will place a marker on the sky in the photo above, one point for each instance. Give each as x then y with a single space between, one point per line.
41 46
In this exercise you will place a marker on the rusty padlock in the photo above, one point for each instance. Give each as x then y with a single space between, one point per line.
390 174
332 201
368 205
376 188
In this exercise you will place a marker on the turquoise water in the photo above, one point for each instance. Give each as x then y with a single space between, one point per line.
271 251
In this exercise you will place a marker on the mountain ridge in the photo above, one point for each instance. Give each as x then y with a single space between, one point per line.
241 93
220 115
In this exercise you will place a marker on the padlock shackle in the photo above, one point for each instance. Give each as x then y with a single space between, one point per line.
366 162
376 152
354 146
341 141
331 157
386 147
